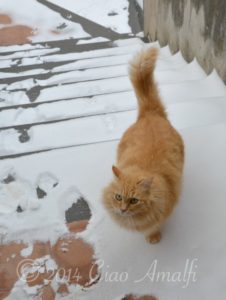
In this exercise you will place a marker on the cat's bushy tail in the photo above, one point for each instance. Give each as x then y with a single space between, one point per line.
141 75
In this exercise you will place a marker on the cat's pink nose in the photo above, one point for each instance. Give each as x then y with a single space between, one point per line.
123 210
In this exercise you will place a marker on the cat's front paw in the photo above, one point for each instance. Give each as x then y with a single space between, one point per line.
154 238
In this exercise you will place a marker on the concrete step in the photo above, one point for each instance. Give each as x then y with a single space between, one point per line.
42 71
107 125
179 112
119 67
59 105
33 57
63 109
170 92
63 46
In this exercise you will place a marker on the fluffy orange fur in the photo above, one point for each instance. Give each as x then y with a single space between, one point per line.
150 158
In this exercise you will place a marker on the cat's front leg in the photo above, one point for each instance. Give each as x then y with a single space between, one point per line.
154 237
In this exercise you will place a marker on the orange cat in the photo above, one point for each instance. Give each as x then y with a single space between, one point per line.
150 160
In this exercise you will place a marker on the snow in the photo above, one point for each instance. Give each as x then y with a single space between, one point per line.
69 109
44 21
27 251
203 111
73 76
191 71
83 109
169 92
141 3
71 56
200 187
35 211
25 47
108 13
25 73
29 53
94 40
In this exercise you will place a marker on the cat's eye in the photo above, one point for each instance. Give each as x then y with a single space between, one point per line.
118 197
134 200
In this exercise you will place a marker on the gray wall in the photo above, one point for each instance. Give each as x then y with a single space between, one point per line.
196 27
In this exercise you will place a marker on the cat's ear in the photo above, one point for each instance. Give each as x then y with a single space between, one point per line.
116 171
145 184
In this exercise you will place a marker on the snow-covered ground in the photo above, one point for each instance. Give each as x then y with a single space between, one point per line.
46 24
111 14
68 146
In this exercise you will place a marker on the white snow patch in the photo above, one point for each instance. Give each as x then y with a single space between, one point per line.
29 53
108 13
25 47
27 251
93 40
17 194
141 3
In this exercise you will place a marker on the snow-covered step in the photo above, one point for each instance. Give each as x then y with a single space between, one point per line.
199 112
211 86
77 65
188 72
70 77
72 42
173 63
28 53
70 56
107 125
5 75
111 50
204 180
66 109
24 47
191 71
170 92
72 45
69 91
72 132
13 49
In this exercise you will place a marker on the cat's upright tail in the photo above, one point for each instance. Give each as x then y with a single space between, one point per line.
141 75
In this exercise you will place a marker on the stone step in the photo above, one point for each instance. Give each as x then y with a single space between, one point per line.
39 71
107 125
63 47
71 108
119 67
29 90
65 109
39 56
67 45
104 104
28 53
170 92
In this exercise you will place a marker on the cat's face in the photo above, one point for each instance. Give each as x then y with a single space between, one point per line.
128 195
